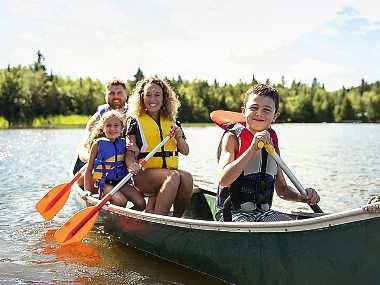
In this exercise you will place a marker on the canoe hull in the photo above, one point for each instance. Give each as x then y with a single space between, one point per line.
343 253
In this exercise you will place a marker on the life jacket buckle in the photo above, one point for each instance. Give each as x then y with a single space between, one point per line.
248 206
264 207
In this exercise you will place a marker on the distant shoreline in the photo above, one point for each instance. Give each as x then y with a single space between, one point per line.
82 126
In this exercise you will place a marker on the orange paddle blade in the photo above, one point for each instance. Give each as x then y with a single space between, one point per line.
50 204
75 229
223 118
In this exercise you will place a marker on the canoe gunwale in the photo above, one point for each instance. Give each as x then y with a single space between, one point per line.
321 222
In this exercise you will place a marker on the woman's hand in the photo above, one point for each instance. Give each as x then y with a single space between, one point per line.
178 134
133 148
134 168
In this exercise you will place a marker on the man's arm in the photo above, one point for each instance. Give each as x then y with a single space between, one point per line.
83 151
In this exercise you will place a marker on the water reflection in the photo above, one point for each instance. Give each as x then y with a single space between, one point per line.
77 253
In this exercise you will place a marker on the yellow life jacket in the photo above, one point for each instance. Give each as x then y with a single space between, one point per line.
151 135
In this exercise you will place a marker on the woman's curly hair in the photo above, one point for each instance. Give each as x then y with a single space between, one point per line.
97 131
170 102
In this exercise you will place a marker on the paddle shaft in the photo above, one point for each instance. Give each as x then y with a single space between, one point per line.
108 197
67 188
290 174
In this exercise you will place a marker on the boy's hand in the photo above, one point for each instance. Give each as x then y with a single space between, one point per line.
262 136
311 197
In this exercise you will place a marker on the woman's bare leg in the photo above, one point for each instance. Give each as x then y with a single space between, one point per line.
184 193
151 204
161 182
149 181
118 198
167 194
133 195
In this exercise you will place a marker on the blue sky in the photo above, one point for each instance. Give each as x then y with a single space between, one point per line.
338 42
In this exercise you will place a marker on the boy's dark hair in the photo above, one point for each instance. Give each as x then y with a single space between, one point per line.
116 82
263 90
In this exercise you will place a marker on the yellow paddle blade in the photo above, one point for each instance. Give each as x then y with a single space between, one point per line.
76 228
50 204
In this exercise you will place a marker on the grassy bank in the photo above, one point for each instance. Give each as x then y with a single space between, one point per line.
197 125
53 122
3 123
60 121
72 121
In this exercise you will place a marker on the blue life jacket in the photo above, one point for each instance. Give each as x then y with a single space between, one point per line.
109 164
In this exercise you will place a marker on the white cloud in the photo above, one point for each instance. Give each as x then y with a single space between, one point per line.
198 39
368 9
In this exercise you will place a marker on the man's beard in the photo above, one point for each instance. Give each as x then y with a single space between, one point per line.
116 105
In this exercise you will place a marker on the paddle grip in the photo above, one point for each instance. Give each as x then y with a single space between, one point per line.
316 208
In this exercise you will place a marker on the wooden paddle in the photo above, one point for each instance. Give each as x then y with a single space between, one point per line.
223 118
52 202
76 227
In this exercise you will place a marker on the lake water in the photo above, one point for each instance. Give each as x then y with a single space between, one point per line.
339 160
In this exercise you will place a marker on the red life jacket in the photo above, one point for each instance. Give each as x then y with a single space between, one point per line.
246 138
255 186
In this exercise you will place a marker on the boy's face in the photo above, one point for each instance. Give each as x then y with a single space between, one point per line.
259 112
116 97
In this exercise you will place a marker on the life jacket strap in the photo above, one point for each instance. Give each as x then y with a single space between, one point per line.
159 154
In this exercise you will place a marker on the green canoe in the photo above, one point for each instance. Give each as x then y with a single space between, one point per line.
340 248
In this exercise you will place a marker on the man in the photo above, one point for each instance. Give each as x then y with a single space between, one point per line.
116 97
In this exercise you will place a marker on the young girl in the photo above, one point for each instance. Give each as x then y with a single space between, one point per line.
248 176
106 165
153 106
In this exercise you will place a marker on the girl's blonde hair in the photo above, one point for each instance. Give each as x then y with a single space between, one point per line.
170 103
97 131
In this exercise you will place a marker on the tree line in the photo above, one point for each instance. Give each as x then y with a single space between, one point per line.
28 92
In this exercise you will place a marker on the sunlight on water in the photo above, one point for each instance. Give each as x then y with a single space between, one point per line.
340 160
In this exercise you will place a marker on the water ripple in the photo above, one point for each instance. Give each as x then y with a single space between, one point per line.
328 157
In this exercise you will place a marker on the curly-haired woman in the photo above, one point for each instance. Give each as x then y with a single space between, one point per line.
153 107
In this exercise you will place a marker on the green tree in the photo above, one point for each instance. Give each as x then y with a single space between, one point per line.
372 104
11 100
